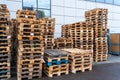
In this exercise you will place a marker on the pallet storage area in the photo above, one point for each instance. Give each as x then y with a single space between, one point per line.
5 43
30 45
56 62
99 18
62 42
26 42
79 59
115 43
49 29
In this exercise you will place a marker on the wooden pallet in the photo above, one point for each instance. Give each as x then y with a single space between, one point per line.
56 70
30 37
30 56
29 76
100 57
66 30
29 61
55 57
63 43
31 27
29 67
47 46
26 14
4 11
5 76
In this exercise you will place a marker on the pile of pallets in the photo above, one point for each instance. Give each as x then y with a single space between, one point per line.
100 49
66 30
87 36
81 34
72 29
25 14
30 46
5 43
79 59
99 18
48 35
62 42
56 62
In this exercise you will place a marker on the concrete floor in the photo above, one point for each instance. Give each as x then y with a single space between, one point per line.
108 70
111 59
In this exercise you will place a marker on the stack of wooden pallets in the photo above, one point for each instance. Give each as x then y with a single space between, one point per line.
49 28
30 45
79 59
56 62
24 14
5 43
62 42
87 36
99 18
65 30
81 34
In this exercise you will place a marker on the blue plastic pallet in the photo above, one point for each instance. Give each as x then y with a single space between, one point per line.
55 62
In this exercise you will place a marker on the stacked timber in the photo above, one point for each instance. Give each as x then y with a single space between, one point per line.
30 49
62 42
5 43
56 62
81 34
66 30
49 29
99 18
79 59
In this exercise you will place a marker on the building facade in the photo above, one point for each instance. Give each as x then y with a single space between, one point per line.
68 11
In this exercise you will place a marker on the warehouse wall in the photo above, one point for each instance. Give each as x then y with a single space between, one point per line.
69 11
13 6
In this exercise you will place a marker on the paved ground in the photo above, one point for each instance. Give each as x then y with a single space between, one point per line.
109 70
111 59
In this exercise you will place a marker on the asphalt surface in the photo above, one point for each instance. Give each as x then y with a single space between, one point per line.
108 71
